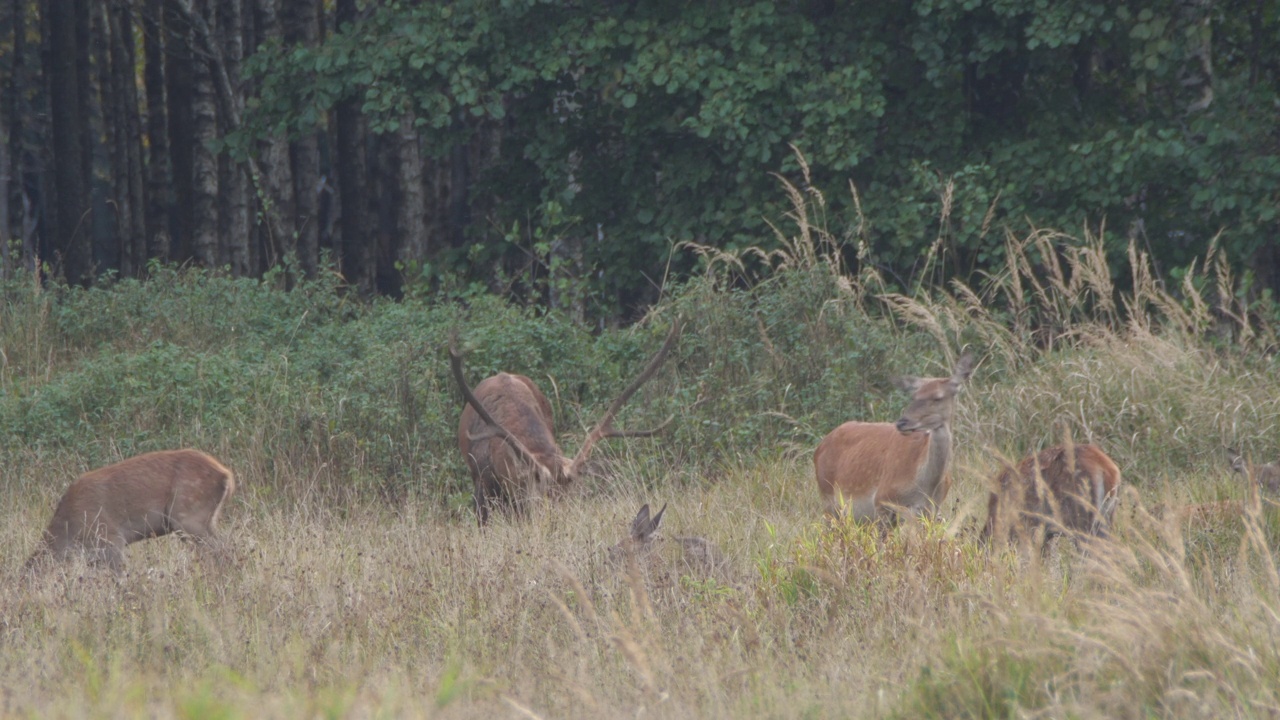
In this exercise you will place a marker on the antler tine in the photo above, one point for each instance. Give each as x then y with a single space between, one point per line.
604 428
455 364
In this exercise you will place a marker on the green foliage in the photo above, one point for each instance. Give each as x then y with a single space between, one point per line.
190 358
654 122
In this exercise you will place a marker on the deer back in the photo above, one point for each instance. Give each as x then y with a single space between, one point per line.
518 405
1077 489
144 496
869 464
903 464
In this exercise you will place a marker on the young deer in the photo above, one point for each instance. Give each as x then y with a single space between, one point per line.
1266 476
871 467
507 435
646 548
1063 488
142 497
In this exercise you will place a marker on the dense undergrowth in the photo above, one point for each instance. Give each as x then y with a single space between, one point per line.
360 585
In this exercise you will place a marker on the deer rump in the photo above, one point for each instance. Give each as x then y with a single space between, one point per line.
142 497
1082 487
498 470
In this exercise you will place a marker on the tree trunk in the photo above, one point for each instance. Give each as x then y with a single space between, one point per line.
180 81
277 173
411 211
70 236
14 106
237 229
204 107
303 28
352 171
6 237
382 234
128 189
157 169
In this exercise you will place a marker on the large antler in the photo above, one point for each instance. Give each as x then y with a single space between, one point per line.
495 428
604 428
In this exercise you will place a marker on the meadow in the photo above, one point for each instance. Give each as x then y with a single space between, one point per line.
357 584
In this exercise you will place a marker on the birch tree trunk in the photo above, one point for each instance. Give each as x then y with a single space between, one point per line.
411 213
204 217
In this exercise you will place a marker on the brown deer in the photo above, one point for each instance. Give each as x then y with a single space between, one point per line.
142 497
1266 476
643 545
873 467
507 435
1070 488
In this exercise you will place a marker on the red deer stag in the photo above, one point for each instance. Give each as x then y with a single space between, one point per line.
871 467
142 497
1064 488
507 435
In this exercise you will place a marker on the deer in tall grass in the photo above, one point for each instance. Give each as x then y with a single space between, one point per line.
1267 477
507 435
643 546
869 468
146 496
1066 488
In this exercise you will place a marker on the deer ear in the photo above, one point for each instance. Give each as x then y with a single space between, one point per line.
657 519
963 369
640 526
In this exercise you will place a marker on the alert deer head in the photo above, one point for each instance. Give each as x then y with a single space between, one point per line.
643 546
149 495
507 434
1266 476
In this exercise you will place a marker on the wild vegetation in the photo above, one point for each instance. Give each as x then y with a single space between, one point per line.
358 583
559 150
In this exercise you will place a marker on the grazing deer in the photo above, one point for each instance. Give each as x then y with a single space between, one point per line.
142 497
1266 476
507 435
643 545
1064 488
871 467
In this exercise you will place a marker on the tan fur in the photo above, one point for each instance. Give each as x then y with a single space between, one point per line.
496 469
1266 476
663 559
868 467
1076 489
509 442
142 497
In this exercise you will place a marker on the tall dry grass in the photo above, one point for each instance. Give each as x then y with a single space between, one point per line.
341 605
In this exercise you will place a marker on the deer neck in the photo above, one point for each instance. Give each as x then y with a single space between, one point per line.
936 458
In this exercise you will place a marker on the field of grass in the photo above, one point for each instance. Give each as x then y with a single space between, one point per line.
356 583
